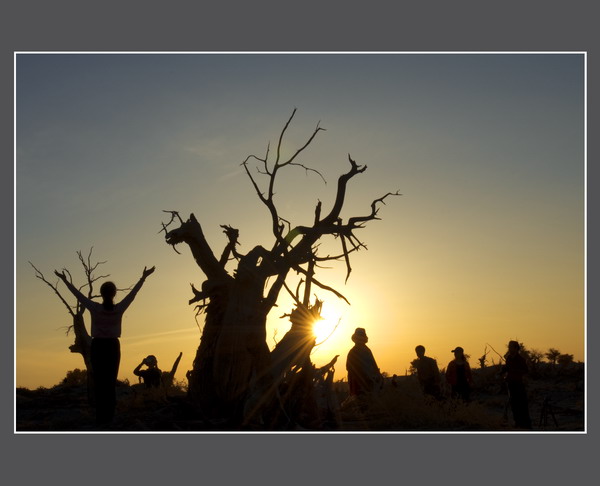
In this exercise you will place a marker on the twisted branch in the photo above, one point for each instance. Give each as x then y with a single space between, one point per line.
54 287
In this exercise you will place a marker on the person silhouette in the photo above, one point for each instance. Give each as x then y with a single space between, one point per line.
458 375
363 372
514 368
428 373
151 376
105 348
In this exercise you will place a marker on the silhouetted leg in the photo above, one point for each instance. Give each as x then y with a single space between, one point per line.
519 405
106 355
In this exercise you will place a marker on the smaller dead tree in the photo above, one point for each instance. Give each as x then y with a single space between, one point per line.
483 359
168 377
83 340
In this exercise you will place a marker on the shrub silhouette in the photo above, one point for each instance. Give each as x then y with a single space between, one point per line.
75 377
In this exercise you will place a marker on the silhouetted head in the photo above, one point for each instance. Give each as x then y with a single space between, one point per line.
513 347
458 352
420 350
151 361
108 290
360 336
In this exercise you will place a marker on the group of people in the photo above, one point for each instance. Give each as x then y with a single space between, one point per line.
458 374
105 349
364 376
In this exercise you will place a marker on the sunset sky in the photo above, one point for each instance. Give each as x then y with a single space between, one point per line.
486 243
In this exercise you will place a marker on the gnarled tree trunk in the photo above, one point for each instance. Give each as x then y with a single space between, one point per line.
234 375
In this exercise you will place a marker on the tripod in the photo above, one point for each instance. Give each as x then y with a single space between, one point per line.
547 410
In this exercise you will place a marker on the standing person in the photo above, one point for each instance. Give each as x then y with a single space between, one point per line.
105 348
428 373
514 369
458 375
152 374
363 372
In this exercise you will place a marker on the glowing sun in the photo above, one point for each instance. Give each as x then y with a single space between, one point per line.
325 327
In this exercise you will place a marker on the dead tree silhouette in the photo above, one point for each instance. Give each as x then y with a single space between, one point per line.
83 340
168 377
234 374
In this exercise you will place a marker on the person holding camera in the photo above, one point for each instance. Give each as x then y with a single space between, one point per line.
151 376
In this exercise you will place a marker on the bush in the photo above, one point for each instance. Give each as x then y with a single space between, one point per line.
75 377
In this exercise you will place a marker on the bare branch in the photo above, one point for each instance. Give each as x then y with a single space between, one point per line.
254 183
232 235
318 212
191 233
310 272
198 295
271 299
165 227
200 309
374 210
308 169
88 264
281 137
323 286
346 258
355 169
289 161
501 357
329 258
54 287
283 220
331 333
294 296
89 268
174 214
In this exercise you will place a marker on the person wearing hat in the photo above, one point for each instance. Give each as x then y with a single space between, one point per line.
514 369
458 374
152 374
363 372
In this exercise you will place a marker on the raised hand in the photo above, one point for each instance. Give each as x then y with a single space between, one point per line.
148 271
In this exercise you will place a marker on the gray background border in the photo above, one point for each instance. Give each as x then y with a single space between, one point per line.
332 25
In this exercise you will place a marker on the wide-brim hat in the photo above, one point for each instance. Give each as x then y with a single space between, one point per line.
360 335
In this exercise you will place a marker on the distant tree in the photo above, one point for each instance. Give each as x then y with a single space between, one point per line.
552 355
564 359
412 370
75 377
535 355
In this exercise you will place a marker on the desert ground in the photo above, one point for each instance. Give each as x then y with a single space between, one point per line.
556 402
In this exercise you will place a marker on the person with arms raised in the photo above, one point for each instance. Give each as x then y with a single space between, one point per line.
105 349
